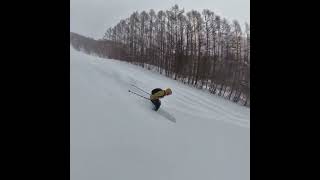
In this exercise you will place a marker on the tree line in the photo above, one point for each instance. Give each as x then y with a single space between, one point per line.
203 49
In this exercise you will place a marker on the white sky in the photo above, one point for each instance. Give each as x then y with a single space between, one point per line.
93 17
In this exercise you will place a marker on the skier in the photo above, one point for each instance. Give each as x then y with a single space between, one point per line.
158 93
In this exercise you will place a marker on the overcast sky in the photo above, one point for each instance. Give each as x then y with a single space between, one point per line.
93 17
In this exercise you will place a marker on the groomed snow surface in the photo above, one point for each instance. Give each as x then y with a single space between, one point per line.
115 135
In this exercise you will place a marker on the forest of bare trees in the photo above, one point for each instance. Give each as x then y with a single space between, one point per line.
101 48
203 49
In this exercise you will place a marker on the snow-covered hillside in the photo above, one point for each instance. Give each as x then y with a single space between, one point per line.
115 135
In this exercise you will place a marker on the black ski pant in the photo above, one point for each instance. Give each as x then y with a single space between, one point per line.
156 103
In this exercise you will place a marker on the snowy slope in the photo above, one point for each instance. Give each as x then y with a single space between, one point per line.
115 135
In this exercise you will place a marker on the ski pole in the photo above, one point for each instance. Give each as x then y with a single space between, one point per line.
140 89
139 95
